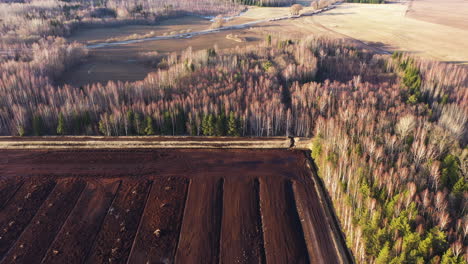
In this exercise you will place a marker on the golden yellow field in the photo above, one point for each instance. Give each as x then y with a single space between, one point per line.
388 27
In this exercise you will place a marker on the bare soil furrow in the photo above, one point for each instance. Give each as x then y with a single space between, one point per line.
46 223
76 237
156 239
200 233
283 236
20 210
120 225
241 235
8 188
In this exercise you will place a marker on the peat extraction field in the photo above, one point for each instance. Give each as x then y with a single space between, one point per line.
164 206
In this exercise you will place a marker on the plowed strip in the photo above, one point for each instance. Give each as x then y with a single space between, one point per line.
283 237
118 231
8 189
200 234
241 235
79 230
156 240
314 225
46 223
20 210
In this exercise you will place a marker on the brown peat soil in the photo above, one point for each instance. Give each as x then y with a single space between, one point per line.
164 206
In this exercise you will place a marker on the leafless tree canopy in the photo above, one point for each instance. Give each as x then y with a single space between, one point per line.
296 9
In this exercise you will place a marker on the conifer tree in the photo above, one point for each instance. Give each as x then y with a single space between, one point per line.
220 127
208 125
166 128
384 255
130 122
268 40
450 170
61 125
21 131
138 124
149 128
233 125
192 127
104 125
181 120
450 258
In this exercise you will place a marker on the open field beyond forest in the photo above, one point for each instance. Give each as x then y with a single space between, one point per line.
161 206
386 27
129 62
418 28
452 13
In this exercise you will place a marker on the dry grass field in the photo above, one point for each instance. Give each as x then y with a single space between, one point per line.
258 13
386 27
116 33
452 13
124 63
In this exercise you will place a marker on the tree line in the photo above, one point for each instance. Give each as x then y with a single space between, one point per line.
195 85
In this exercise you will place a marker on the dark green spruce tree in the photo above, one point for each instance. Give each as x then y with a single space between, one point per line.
233 129
61 125
149 128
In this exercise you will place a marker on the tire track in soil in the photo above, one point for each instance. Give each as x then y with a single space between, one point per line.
282 232
115 239
76 237
46 223
8 188
156 239
241 235
200 233
17 214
